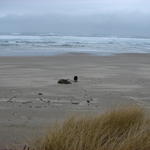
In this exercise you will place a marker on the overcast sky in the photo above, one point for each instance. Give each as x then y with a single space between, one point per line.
79 17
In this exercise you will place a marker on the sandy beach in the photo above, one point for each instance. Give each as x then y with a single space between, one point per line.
31 100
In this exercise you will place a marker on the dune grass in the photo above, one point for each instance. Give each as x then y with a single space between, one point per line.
123 129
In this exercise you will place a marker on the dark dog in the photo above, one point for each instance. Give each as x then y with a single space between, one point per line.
75 78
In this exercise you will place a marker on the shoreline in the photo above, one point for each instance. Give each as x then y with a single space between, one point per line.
75 54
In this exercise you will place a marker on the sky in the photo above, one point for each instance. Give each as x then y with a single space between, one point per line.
76 17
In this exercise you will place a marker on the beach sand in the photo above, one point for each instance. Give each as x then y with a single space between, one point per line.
31 100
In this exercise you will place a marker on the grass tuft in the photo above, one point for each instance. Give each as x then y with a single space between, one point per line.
123 129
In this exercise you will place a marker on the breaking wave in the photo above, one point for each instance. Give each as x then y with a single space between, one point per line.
17 44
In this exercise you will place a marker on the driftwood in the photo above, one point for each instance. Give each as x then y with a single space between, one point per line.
64 81
11 99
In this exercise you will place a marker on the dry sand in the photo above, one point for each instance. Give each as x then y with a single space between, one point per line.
106 81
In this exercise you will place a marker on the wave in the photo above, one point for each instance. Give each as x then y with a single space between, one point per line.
49 43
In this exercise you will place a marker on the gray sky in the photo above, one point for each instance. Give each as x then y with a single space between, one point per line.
85 17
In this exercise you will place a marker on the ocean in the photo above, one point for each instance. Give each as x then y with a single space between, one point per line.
48 45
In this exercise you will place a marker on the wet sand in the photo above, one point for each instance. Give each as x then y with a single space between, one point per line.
31 100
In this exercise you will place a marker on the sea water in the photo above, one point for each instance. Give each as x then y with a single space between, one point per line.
47 45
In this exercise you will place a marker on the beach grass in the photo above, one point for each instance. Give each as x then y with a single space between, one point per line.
122 129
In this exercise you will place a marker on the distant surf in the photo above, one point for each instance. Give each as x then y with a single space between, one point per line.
47 45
